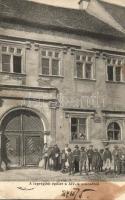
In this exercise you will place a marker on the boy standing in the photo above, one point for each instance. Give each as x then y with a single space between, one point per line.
70 161
90 153
83 159
76 158
45 155
107 158
63 160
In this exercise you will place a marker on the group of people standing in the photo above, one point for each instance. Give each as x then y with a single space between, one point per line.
81 159
51 157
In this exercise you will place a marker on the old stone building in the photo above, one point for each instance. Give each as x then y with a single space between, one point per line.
62 76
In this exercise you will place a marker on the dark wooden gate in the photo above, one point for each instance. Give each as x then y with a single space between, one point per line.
25 133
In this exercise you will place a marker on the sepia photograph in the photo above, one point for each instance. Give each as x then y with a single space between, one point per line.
62 93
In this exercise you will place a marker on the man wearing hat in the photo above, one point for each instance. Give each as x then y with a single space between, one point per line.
76 158
116 159
83 159
4 156
107 158
96 160
45 155
56 152
90 153
70 161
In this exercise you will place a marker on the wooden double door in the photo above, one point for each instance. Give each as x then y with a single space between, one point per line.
25 134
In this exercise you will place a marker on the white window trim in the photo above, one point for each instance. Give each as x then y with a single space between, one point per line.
114 74
117 57
79 140
22 55
121 129
85 115
93 65
51 48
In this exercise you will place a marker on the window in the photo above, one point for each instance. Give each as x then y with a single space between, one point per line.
55 67
85 66
110 73
17 64
50 62
79 69
118 73
78 128
114 69
6 63
11 59
113 131
88 70
45 66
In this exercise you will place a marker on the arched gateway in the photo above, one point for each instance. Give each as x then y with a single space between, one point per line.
25 132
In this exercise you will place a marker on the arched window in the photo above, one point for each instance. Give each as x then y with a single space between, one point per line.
114 131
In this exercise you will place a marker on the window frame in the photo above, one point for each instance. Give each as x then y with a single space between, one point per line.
115 65
12 54
86 116
107 130
59 58
78 126
84 62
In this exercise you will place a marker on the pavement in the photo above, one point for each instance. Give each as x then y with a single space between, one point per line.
37 174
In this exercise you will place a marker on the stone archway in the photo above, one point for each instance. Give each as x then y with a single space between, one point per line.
25 133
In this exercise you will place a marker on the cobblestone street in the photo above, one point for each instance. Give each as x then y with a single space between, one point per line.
36 174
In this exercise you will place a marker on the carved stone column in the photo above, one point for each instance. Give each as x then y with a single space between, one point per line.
53 107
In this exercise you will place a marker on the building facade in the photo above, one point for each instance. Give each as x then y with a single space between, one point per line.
62 77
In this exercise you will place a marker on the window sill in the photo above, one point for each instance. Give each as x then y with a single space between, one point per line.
79 141
112 141
116 82
13 74
85 79
89 141
51 76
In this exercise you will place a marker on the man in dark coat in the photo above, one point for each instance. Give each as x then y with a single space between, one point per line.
70 161
76 158
107 158
96 159
51 157
63 157
56 152
4 157
101 162
45 156
90 156
116 158
83 159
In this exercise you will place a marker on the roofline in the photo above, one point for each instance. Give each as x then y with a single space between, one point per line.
44 4
101 1
116 5
110 52
23 41
58 28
